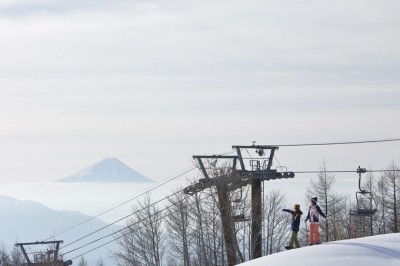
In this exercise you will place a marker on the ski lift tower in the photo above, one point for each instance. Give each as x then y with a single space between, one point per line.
259 170
218 174
46 258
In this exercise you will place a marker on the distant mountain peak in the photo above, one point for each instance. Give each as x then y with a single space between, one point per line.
108 170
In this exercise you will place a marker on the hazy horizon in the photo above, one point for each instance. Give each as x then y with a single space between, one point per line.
155 82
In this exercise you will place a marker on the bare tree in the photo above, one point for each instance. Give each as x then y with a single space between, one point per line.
392 195
343 223
206 229
143 241
199 231
339 210
17 257
276 222
82 262
5 257
100 262
213 229
178 224
382 200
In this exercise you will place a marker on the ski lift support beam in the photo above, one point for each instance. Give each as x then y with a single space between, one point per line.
201 164
257 176
55 255
263 174
258 147
206 182
221 185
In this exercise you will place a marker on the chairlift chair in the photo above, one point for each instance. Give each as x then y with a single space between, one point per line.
237 207
365 202
365 199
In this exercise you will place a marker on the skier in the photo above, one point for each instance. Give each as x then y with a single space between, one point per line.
313 215
296 216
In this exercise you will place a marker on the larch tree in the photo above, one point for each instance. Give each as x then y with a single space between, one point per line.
5 257
82 262
178 225
392 193
143 240
382 200
276 222
17 257
100 262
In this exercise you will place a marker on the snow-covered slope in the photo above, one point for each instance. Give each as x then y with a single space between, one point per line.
109 170
381 250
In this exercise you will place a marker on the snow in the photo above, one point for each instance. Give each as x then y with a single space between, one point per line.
381 250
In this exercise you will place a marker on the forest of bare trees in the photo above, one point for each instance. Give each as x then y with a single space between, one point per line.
191 232
188 231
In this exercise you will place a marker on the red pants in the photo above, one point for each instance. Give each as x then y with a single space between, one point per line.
314 229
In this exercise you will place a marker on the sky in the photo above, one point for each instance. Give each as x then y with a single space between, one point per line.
154 82
375 250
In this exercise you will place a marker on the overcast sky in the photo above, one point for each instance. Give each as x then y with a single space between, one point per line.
155 82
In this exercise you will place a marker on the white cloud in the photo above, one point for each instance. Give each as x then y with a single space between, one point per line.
112 77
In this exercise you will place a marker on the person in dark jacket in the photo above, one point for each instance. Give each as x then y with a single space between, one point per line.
313 215
295 225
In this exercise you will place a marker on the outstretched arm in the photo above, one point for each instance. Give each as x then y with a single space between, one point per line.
287 210
320 212
308 216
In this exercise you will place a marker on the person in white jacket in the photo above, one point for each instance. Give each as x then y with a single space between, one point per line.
313 215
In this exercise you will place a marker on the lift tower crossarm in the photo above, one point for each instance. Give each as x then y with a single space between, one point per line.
259 147
21 245
203 169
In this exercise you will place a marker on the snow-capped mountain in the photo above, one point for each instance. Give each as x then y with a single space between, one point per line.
109 170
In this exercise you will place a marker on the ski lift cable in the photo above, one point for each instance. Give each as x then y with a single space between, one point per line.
119 220
322 144
123 203
227 153
129 226
331 143
247 151
342 171
251 158
338 143
139 221
123 218
116 232
297 172
186 197
276 158
326 144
